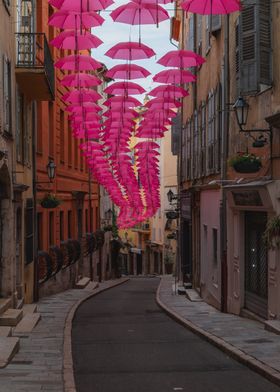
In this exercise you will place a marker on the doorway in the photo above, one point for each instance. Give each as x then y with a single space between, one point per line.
256 290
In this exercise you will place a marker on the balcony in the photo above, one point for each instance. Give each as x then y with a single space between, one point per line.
34 66
142 228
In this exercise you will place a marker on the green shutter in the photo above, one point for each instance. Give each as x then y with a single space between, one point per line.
265 42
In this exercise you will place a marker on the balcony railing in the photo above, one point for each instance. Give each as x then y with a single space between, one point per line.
33 53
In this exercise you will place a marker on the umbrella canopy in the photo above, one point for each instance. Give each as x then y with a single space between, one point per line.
168 91
74 20
120 88
181 59
127 71
125 101
81 5
130 51
80 96
78 62
139 13
174 76
211 7
163 103
80 80
76 41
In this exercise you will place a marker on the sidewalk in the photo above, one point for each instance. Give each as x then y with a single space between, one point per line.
38 366
243 339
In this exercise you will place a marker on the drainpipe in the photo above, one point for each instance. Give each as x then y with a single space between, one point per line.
35 229
223 206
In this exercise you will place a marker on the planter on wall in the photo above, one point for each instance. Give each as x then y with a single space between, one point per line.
247 167
50 201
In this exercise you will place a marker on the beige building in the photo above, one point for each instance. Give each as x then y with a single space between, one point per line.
227 207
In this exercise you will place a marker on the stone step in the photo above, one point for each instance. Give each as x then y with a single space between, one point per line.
82 283
5 304
8 348
193 295
5 331
27 324
272 326
92 286
11 317
29 308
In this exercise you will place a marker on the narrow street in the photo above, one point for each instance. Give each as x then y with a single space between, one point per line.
123 342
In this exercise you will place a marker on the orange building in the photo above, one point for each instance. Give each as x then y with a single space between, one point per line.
72 184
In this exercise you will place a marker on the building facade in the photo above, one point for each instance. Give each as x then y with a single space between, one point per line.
225 212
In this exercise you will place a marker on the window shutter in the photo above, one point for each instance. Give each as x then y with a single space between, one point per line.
265 41
29 232
190 36
7 93
175 134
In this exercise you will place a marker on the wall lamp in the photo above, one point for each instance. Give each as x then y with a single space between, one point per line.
51 171
171 196
241 109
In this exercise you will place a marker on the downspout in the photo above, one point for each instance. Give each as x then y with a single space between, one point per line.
223 206
35 229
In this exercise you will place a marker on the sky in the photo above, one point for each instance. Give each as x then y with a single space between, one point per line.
112 33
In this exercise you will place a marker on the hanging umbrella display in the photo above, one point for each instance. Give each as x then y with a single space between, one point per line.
211 7
138 13
80 80
76 41
181 59
75 20
130 51
85 107
162 103
80 96
168 91
174 76
122 101
78 62
120 88
127 71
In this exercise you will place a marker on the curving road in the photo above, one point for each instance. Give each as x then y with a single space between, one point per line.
123 342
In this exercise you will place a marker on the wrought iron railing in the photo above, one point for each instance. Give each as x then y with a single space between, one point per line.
33 52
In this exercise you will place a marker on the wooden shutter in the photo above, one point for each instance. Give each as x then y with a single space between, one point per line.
175 134
190 36
216 23
7 94
264 31
29 232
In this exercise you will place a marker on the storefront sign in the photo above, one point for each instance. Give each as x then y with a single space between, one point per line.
247 198
136 250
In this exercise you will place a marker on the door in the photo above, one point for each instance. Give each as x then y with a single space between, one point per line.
255 263
19 283
139 264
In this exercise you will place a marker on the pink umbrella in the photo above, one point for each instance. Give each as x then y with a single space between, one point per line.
74 20
119 88
76 41
130 51
153 1
169 91
211 7
163 103
78 63
80 80
81 5
139 13
181 59
174 76
85 107
127 71
79 96
125 101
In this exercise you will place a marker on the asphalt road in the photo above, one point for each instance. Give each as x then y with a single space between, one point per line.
123 342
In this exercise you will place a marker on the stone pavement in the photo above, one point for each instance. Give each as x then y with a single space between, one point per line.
38 366
245 340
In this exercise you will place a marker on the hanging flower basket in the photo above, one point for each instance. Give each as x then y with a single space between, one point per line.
50 201
272 233
246 163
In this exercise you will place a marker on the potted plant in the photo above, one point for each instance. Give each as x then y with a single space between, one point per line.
50 201
168 263
245 163
272 233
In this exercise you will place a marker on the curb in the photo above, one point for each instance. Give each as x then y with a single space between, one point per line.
68 373
254 364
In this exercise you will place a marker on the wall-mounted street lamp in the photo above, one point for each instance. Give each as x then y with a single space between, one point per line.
171 196
241 109
51 172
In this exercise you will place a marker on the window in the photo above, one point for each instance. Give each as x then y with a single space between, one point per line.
70 144
29 231
254 47
86 220
69 224
61 225
7 92
190 36
203 140
196 147
81 157
210 132
62 138
39 128
215 246
76 153
19 126
51 228
188 149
